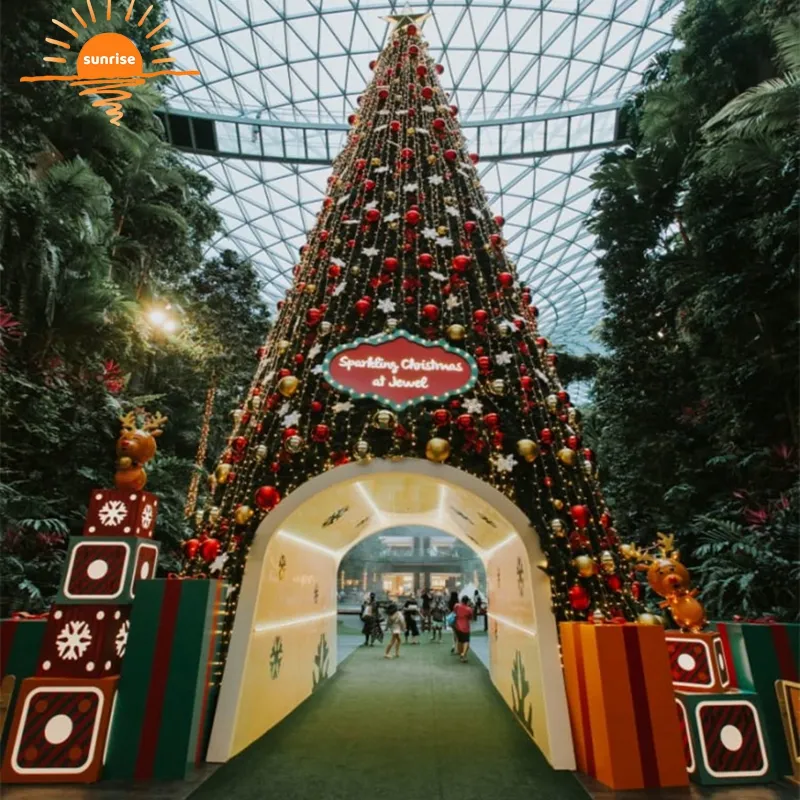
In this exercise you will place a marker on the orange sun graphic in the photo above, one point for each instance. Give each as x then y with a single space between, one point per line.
108 63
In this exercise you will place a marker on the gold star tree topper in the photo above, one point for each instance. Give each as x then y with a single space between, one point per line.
408 17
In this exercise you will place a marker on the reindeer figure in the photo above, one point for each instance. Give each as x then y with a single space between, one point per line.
135 447
669 578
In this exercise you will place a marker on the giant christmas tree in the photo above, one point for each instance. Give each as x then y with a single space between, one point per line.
405 244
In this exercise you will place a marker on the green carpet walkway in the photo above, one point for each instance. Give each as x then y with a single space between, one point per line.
421 727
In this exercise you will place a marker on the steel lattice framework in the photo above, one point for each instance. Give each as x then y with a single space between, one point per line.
538 84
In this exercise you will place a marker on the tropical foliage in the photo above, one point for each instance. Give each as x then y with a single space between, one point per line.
696 404
100 226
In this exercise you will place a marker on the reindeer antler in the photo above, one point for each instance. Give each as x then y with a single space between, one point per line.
129 421
667 545
153 423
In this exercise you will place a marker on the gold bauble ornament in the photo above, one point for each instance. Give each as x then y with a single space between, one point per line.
256 402
283 346
497 386
325 328
588 468
222 472
355 270
261 452
376 162
294 444
567 456
584 565
288 386
450 200
573 417
391 323
558 504
502 329
390 195
393 225
607 562
646 618
442 230
213 514
243 515
198 518
362 448
410 131
310 288
456 333
437 450
552 402
212 484
384 419
558 527
528 449
237 415
431 159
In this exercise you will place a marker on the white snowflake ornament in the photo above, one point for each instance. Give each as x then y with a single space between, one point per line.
503 358
73 640
472 405
121 639
503 463
112 512
386 305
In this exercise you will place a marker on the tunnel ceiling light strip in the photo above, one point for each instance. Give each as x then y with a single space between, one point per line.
492 550
510 624
263 627
337 554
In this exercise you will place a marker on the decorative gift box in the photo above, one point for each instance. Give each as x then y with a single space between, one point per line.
763 653
621 704
100 570
58 734
166 700
698 661
723 738
117 512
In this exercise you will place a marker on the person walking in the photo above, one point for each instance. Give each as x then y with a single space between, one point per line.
437 615
427 600
397 625
461 627
369 616
410 611
450 619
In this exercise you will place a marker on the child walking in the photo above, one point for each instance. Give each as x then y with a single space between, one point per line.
397 624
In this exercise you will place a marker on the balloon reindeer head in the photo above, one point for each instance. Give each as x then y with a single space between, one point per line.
669 578
135 447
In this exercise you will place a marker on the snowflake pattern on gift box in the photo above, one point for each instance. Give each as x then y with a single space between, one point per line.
147 517
121 639
112 512
73 641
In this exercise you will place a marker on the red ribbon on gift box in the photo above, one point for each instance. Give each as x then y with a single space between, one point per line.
26 615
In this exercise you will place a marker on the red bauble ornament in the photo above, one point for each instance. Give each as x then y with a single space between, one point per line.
578 598
430 312
441 417
427 92
422 70
453 110
474 158
369 184
351 119
636 589
363 306
546 436
334 271
526 382
614 582
439 69
190 547
425 260
372 215
407 153
323 236
484 364
480 316
500 221
588 454
267 497
438 124
580 515
542 343
469 227
495 240
573 442
506 280
390 263
491 420
316 406
411 30
605 520
321 433
361 163
313 317
450 155
464 422
209 550
461 263
395 125
239 443
413 217
413 50
373 64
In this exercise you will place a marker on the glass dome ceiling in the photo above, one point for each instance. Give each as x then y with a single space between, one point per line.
537 83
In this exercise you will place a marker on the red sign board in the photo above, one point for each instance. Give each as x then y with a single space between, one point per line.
399 369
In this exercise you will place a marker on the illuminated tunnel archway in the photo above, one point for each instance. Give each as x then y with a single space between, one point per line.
283 642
